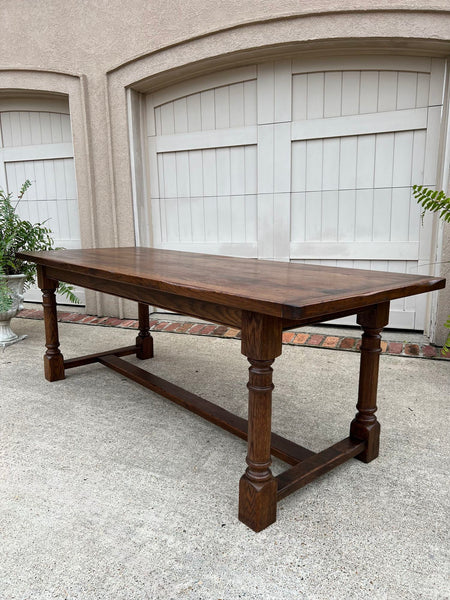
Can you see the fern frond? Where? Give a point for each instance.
(5, 295)
(446, 348)
(433, 201)
(67, 291)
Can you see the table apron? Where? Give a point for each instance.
(201, 309)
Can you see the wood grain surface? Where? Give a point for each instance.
(281, 289)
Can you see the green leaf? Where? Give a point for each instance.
(446, 348)
(433, 201)
(67, 291)
(5, 295)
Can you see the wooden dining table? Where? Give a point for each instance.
(261, 298)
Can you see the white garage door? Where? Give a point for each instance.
(302, 160)
(36, 144)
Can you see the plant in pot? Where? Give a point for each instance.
(17, 235)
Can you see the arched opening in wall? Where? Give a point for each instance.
(36, 144)
(304, 159)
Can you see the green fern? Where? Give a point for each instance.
(5, 294)
(67, 291)
(446, 348)
(433, 201)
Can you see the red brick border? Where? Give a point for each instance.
(314, 340)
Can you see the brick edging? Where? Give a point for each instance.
(312, 340)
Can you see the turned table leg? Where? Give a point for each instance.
(144, 341)
(365, 426)
(53, 359)
(261, 343)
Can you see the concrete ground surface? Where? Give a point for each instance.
(108, 491)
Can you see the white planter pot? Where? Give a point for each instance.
(7, 336)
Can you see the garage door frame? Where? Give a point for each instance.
(273, 132)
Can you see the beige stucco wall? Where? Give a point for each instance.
(106, 46)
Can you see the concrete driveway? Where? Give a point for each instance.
(108, 491)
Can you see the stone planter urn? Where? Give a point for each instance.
(7, 336)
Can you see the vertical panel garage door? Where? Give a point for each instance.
(36, 144)
(203, 164)
(302, 160)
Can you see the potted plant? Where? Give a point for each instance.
(16, 275)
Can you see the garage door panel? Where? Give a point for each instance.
(414, 118)
(298, 215)
(236, 105)
(207, 100)
(313, 216)
(381, 224)
(22, 128)
(299, 97)
(223, 171)
(209, 171)
(220, 108)
(402, 159)
(36, 144)
(304, 159)
(365, 251)
(237, 170)
(407, 90)
(207, 195)
(51, 197)
(436, 95)
(384, 152)
(431, 157)
(165, 117)
(185, 217)
(363, 212)
(273, 92)
(330, 159)
(381, 215)
(346, 215)
(368, 91)
(418, 157)
(229, 218)
(343, 93)
(198, 140)
(350, 93)
(298, 170)
(315, 95)
(348, 163)
(332, 94)
(194, 112)
(330, 216)
(405, 313)
(180, 117)
(313, 168)
(387, 95)
(70, 180)
(401, 205)
(183, 174)
(39, 188)
(355, 162)
(358, 62)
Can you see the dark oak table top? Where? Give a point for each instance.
(279, 289)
